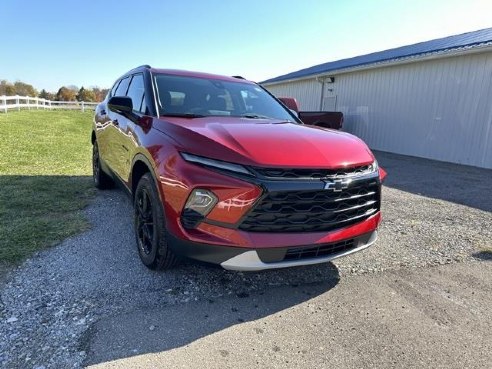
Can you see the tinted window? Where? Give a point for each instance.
(123, 86)
(113, 90)
(136, 92)
(180, 95)
(143, 108)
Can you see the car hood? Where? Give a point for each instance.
(269, 143)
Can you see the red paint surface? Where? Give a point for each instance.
(266, 143)
(254, 142)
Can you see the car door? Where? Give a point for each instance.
(130, 131)
(117, 123)
(103, 122)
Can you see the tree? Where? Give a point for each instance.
(100, 93)
(86, 95)
(25, 89)
(10, 90)
(18, 88)
(46, 95)
(3, 87)
(6, 88)
(65, 94)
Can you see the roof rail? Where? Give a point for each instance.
(133, 70)
(238, 77)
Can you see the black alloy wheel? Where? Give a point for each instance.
(150, 226)
(144, 222)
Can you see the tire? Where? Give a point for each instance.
(150, 227)
(101, 179)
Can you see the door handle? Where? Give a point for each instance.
(103, 112)
(115, 121)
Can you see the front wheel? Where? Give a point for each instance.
(150, 227)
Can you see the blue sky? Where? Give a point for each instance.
(53, 43)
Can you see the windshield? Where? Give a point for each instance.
(201, 97)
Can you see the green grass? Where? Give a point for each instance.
(45, 179)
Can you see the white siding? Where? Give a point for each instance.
(439, 109)
(307, 93)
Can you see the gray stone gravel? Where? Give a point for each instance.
(49, 303)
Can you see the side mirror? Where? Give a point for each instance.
(120, 104)
(290, 102)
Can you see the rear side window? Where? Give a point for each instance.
(122, 87)
(136, 92)
(113, 90)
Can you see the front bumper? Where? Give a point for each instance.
(228, 235)
(247, 259)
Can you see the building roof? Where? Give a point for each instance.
(465, 40)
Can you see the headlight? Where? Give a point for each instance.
(215, 163)
(374, 167)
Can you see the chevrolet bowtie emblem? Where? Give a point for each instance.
(337, 185)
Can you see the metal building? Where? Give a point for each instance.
(432, 99)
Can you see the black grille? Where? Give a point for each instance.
(314, 211)
(191, 218)
(319, 251)
(310, 173)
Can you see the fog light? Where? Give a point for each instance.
(198, 205)
(201, 201)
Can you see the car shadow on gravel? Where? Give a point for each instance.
(485, 255)
(91, 294)
(159, 329)
(456, 183)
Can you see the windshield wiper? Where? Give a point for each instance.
(258, 116)
(183, 115)
(254, 116)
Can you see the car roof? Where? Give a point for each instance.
(186, 73)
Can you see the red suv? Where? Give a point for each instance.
(221, 171)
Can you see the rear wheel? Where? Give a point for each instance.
(101, 179)
(150, 227)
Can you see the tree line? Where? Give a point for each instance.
(64, 93)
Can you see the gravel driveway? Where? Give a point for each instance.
(434, 214)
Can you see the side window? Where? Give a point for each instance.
(136, 92)
(113, 90)
(144, 108)
(122, 87)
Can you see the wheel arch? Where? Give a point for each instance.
(140, 166)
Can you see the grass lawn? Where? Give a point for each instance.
(45, 179)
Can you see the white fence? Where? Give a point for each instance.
(26, 102)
